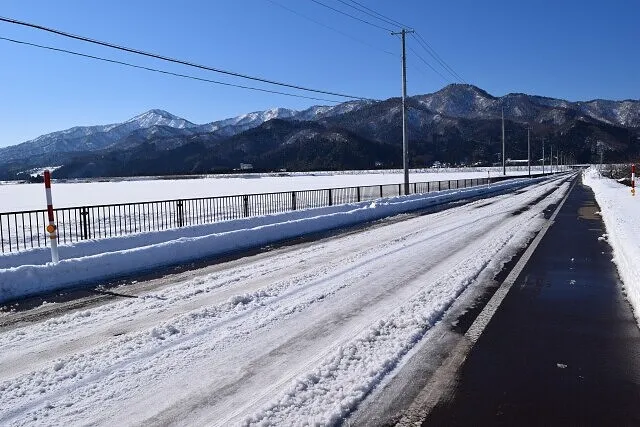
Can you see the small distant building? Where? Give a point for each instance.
(246, 166)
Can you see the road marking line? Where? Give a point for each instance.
(442, 380)
(481, 322)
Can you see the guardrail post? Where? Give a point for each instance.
(439, 185)
(380, 190)
(180, 212)
(245, 205)
(293, 201)
(399, 189)
(358, 193)
(330, 197)
(84, 223)
(51, 228)
(428, 189)
(415, 186)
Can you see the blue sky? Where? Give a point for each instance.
(576, 50)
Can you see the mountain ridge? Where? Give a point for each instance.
(458, 123)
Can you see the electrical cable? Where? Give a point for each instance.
(113, 61)
(351, 16)
(174, 60)
(429, 65)
(361, 10)
(399, 24)
(432, 52)
(331, 28)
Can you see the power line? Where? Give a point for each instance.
(390, 21)
(399, 24)
(331, 28)
(351, 16)
(432, 52)
(113, 61)
(375, 16)
(437, 57)
(174, 60)
(429, 65)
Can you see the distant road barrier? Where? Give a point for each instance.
(23, 230)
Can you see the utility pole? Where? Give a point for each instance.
(504, 165)
(542, 156)
(529, 150)
(405, 144)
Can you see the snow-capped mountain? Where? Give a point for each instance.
(625, 113)
(235, 125)
(468, 101)
(91, 138)
(453, 122)
(322, 111)
(157, 123)
(158, 118)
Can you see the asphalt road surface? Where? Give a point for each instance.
(306, 333)
(564, 347)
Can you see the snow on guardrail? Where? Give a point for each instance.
(89, 261)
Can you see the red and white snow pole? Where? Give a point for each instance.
(633, 180)
(51, 228)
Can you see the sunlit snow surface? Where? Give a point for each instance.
(18, 197)
(27, 272)
(621, 214)
(298, 336)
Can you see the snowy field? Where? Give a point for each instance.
(27, 272)
(296, 336)
(621, 214)
(22, 231)
(20, 197)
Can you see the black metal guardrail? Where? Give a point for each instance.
(23, 230)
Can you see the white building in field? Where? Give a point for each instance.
(246, 166)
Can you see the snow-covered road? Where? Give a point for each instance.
(298, 334)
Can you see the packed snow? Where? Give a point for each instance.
(296, 336)
(621, 214)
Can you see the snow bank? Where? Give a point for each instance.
(91, 261)
(621, 214)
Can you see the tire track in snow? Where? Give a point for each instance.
(167, 333)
